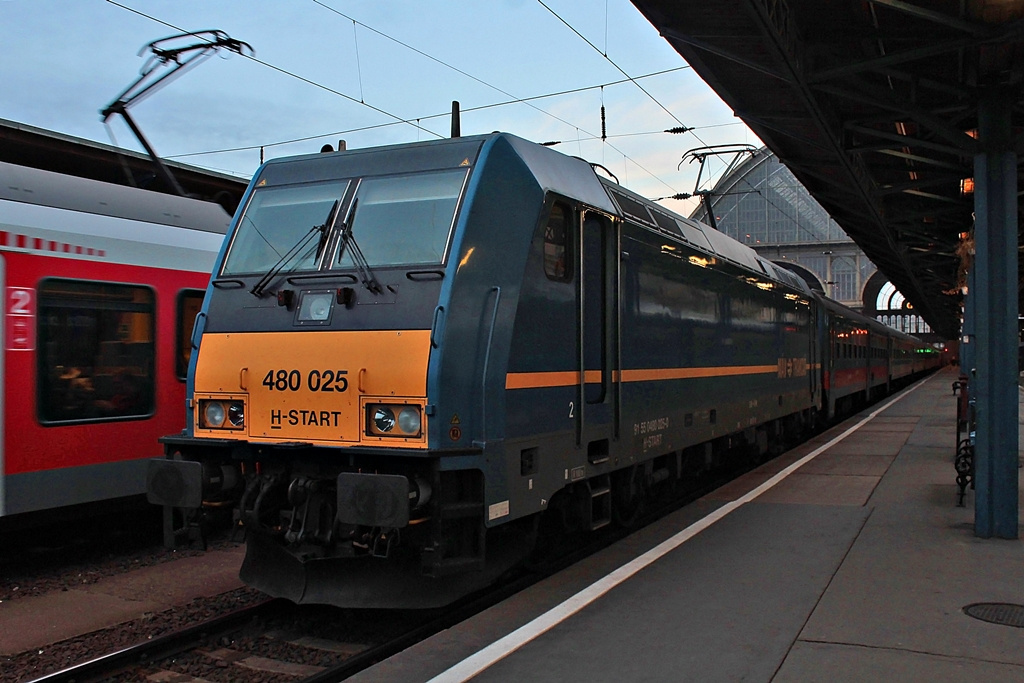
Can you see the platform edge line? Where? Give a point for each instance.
(503, 647)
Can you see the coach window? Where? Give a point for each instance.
(189, 303)
(95, 351)
(557, 234)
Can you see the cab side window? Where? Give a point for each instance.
(557, 244)
(189, 303)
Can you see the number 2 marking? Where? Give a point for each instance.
(572, 410)
(21, 302)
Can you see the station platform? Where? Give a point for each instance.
(846, 559)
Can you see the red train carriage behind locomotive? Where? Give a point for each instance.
(101, 286)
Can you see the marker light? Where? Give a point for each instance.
(409, 420)
(214, 414)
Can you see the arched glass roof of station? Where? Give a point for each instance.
(889, 298)
(759, 201)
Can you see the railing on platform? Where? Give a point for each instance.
(964, 460)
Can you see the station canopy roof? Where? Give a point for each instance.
(874, 107)
(43, 149)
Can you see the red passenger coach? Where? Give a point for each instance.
(864, 359)
(101, 286)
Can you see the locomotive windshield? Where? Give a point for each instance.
(404, 219)
(395, 220)
(276, 220)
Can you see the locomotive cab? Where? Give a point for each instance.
(325, 402)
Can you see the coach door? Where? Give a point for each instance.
(598, 295)
(13, 309)
(813, 360)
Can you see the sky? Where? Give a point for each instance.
(370, 72)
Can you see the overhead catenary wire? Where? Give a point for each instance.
(504, 92)
(398, 119)
(359, 68)
(612, 62)
(605, 28)
(682, 126)
(412, 121)
(438, 61)
(446, 114)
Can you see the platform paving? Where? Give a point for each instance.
(855, 567)
(37, 621)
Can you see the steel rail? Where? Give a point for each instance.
(159, 648)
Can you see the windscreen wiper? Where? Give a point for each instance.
(369, 281)
(323, 230)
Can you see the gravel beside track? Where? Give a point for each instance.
(33, 664)
(60, 557)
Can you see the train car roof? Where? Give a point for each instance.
(382, 160)
(700, 236)
(566, 175)
(45, 188)
(554, 172)
(847, 312)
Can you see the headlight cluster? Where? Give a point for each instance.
(215, 414)
(393, 420)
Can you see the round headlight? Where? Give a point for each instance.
(320, 308)
(384, 419)
(316, 307)
(409, 420)
(214, 414)
(236, 414)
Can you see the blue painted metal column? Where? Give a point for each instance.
(969, 338)
(995, 316)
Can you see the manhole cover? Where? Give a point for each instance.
(1002, 613)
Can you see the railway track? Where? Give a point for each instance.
(142, 655)
(279, 641)
(276, 640)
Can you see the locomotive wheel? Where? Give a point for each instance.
(562, 518)
(628, 492)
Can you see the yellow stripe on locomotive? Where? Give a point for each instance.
(320, 388)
